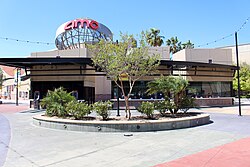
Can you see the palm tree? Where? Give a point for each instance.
(174, 44)
(188, 45)
(153, 38)
(133, 42)
(173, 89)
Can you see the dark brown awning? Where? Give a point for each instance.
(28, 63)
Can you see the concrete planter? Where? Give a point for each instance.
(121, 126)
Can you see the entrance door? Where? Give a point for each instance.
(89, 94)
(84, 93)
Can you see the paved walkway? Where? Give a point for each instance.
(235, 154)
(224, 141)
(4, 138)
(5, 132)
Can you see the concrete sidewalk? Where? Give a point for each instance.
(34, 146)
(235, 154)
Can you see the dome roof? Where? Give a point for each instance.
(75, 33)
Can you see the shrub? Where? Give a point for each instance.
(102, 109)
(56, 101)
(55, 109)
(161, 106)
(186, 103)
(146, 108)
(78, 110)
(173, 89)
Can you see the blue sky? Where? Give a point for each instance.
(200, 21)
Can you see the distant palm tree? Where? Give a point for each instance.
(188, 45)
(153, 38)
(174, 44)
(133, 42)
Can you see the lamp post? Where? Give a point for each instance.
(118, 102)
(238, 71)
(17, 80)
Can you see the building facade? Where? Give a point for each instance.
(10, 83)
(202, 84)
(209, 71)
(243, 52)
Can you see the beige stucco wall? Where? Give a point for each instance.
(102, 88)
(218, 56)
(180, 56)
(83, 52)
(162, 51)
(243, 51)
(73, 53)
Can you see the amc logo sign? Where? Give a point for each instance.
(82, 22)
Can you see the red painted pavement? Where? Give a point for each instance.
(235, 154)
(12, 108)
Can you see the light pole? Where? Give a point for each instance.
(118, 102)
(238, 71)
(17, 80)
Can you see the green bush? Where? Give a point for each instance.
(174, 90)
(187, 103)
(78, 110)
(102, 109)
(161, 106)
(55, 102)
(146, 108)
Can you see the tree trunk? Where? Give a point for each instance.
(128, 113)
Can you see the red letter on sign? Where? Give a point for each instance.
(69, 25)
(94, 25)
(82, 23)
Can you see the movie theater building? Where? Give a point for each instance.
(209, 71)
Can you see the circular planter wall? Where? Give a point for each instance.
(121, 126)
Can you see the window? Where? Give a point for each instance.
(138, 92)
(210, 89)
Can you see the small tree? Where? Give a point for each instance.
(244, 78)
(146, 108)
(102, 109)
(123, 60)
(174, 91)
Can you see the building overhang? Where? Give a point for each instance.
(182, 64)
(29, 63)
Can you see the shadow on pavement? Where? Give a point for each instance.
(32, 111)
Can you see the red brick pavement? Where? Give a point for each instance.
(235, 154)
(12, 108)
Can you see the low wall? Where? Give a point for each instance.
(220, 101)
(200, 102)
(121, 126)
